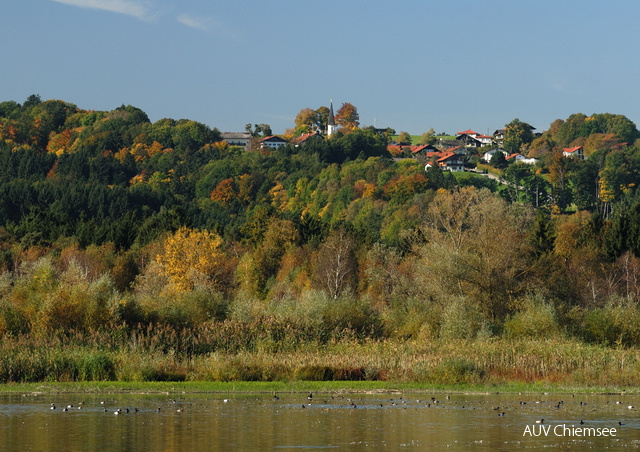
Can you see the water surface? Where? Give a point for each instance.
(204, 422)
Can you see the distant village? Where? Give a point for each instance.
(450, 153)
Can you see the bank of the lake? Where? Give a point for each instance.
(303, 387)
(371, 364)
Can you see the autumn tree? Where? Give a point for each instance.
(404, 138)
(190, 258)
(347, 116)
(475, 248)
(429, 137)
(306, 120)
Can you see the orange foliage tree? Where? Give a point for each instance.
(190, 258)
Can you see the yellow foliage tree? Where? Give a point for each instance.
(190, 258)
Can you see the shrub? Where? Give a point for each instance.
(461, 320)
(537, 320)
(617, 323)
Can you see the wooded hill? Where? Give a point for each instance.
(113, 223)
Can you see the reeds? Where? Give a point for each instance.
(163, 354)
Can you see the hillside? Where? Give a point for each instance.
(119, 228)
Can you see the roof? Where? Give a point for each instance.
(571, 150)
(446, 156)
(468, 132)
(331, 121)
(422, 147)
(274, 138)
(305, 136)
(236, 135)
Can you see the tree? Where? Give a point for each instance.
(322, 115)
(347, 116)
(559, 180)
(335, 268)
(429, 137)
(475, 248)
(516, 134)
(306, 120)
(498, 160)
(404, 138)
(259, 130)
(189, 259)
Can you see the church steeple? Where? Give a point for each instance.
(331, 123)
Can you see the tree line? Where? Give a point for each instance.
(110, 221)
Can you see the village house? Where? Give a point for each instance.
(576, 151)
(242, 139)
(272, 142)
(489, 154)
(448, 161)
(306, 138)
(519, 158)
(468, 139)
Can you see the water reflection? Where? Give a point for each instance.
(199, 422)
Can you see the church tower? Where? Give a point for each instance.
(331, 123)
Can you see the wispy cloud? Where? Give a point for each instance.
(199, 23)
(206, 23)
(132, 8)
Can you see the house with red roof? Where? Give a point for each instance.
(448, 161)
(485, 140)
(306, 137)
(576, 151)
(469, 132)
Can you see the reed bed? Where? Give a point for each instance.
(165, 354)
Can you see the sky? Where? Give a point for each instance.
(411, 65)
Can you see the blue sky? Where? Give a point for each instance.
(410, 65)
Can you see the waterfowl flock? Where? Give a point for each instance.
(576, 411)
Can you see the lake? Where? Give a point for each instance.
(392, 421)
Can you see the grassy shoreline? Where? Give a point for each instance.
(283, 387)
(487, 366)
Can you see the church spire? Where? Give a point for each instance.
(331, 123)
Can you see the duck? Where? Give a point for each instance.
(620, 423)
(539, 421)
(501, 414)
(581, 422)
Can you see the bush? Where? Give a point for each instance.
(537, 320)
(617, 323)
(461, 320)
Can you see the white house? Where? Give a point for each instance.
(576, 151)
(489, 154)
(237, 139)
(519, 158)
(272, 142)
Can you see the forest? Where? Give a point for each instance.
(132, 250)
